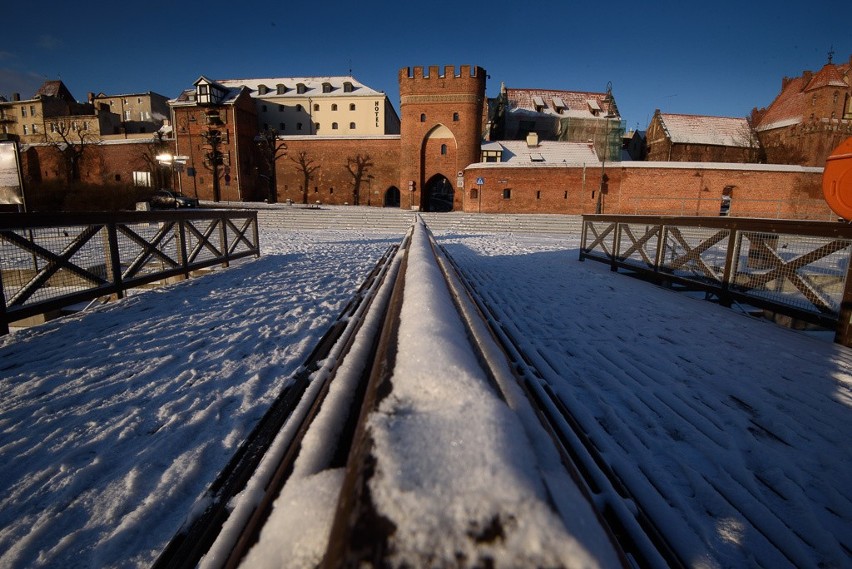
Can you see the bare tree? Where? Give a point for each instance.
(71, 138)
(270, 148)
(358, 166)
(305, 164)
(747, 137)
(153, 148)
(213, 157)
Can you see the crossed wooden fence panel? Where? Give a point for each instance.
(796, 268)
(51, 261)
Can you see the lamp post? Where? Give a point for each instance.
(166, 159)
(609, 115)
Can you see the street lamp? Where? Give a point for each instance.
(166, 159)
(609, 115)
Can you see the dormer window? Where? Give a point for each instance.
(326, 87)
(262, 89)
(280, 89)
(538, 103)
(301, 88)
(559, 105)
(347, 87)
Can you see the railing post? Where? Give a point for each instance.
(616, 246)
(731, 255)
(4, 322)
(843, 332)
(181, 247)
(223, 240)
(114, 258)
(256, 233)
(583, 239)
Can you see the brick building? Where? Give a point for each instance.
(810, 117)
(696, 138)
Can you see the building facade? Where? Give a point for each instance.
(139, 114)
(810, 117)
(321, 106)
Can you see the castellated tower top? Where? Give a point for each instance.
(420, 80)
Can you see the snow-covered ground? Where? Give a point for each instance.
(733, 433)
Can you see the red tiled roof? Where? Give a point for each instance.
(791, 105)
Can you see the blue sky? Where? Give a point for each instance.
(715, 58)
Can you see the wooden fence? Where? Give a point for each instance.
(52, 261)
(795, 268)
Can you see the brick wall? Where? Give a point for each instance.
(786, 192)
(332, 183)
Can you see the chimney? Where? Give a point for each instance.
(16, 96)
(91, 97)
(532, 140)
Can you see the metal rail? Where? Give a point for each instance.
(298, 404)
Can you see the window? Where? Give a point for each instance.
(142, 179)
(300, 88)
(347, 87)
(139, 100)
(299, 108)
(32, 107)
(23, 111)
(443, 150)
(565, 196)
(280, 89)
(263, 108)
(35, 129)
(316, 127)
(298, 126)
(326, 87)
(352, 125)
(507, 194)
(334, 126)
(282, 126)
(538, 194)
(351, 106)
(262, 89)
(333, 107)
(280, 108)
(26, 129)
(316, 107)
(422, 117)
(455, 117)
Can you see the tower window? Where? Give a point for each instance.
(455, 117)
(507, 194)
(443, 150)
(422, 117)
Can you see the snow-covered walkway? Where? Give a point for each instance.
(734, 434)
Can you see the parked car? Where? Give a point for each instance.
(167, 199)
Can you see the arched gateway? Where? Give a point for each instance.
(438, 194)
(391, 197)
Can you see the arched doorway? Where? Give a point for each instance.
(438, 194)
(391, 197)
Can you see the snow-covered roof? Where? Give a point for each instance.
(330, 86)
(699, 129)
(546, 153)
(558, 103)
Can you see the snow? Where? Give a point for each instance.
(732, 433)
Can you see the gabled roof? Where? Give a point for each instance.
(228, 94)
(714, 131)
(792, 104)
(313, 86)
(55, 88)
(558, 103)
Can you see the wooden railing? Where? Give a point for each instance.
(795, 268)
(52, 261)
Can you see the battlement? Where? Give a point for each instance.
(434, 80)
(434, 71)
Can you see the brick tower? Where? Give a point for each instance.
(441, 133)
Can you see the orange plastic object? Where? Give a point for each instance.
(837, 180)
